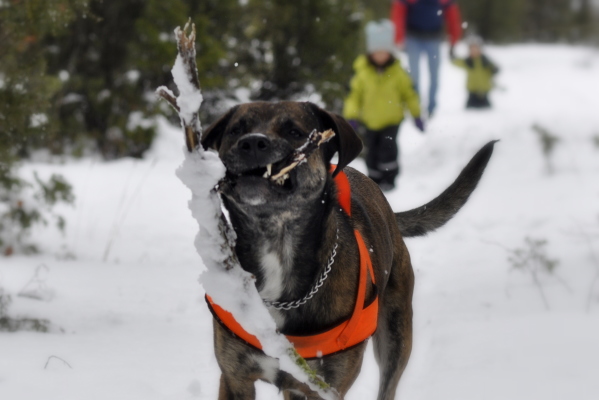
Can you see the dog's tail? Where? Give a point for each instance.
(437, 212)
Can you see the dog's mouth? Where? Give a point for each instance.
(265, 177)
(271, 172)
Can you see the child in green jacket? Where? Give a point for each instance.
(380, 91)
(480, 71)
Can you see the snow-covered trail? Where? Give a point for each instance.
(131, 323)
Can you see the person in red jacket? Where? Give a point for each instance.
(419, 29)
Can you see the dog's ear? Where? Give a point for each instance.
(345, 142)
(212, 136)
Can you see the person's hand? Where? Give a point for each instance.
(354, 124)
(452, 51)
(419, 124)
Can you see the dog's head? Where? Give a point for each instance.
(256, 137)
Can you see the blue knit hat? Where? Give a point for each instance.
(380, 35)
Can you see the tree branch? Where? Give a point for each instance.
(188, 84)
(167, 95)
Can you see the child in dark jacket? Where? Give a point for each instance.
(381, 92)
(480, 72)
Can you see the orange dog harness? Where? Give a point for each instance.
(359, 327)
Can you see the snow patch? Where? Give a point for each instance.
(37, 120)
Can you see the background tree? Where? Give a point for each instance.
(79, 74)
(585, 22)
(548, 20)
(301, 46)
(26, 89)
(114, 57)
(509, 21)
(495, 20)
(27, 116)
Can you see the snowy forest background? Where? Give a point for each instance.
(98, 275)
(94, 65)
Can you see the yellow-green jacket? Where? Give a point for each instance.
(377, 99)
(480, 73)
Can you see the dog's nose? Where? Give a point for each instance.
(255, 144)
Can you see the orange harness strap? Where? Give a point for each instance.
(359, 327)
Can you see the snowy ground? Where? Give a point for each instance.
(128, 314)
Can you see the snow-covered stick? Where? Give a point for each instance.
(185, 74)
(225, 281)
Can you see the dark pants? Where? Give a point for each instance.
(478, 100)
(382, 155)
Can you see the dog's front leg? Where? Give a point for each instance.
(234, 388)
(293, 389)
(238, 365)
(242, 365)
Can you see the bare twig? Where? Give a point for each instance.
(58, 358)
(123, 209)
(596, 263)
(301, 154)
(591, 291)
(186, 46)
(37, 278)
(539, 286)
(535, 260)
(588, 238)
(187, 54)
(548, 143)
(169, 97)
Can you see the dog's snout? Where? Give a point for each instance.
(254, 150)
(254, 143)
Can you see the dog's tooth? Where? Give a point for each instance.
(268, 170)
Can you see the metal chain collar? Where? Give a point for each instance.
(288, 305)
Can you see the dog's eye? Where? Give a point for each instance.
(236, 130)
(296, 133)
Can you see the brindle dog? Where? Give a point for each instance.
(287, 230)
